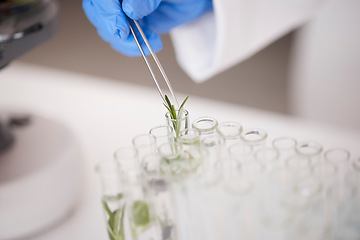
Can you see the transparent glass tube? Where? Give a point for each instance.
(233, 181)
(140, 209)
(340, 158)
(113, 200)
(207, 173)
(172, 161)
(352, 180)
(164, 207)
(326, 172)
(304, 190)
(275, 216)
(254, 136)
(254, 171)
(241, 151)
(310, 149)
(151, 165)
(129, 212)
(189, 138)
(269, 157)
(160, 191)
(213, 145)
(341, 197)
(127, 158)
(230, 132)
(163, 134)
(109, 175)
(299, 165)
(205, 125)
(180, 123)
(144, 144)
(356, 164)
(285, 146)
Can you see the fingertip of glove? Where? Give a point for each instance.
(122, 34)
(128, 10)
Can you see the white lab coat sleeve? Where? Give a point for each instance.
(234, 31)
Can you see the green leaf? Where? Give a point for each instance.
(110, 227)
(183, 103)
(173, 111)
(115, 223)
(167, 107)
(122, 231)
(140, 213)
(107, 209)
(167, 101)
(175, 117)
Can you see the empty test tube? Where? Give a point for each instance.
(144, 144)
(205, 125)
(163, 134)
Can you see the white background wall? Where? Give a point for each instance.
(326, 69)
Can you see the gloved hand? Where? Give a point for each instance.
(154, 16)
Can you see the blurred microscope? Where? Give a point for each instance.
(40, 168)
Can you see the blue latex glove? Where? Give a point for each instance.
(154, 16)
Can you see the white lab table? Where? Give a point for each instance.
(105, 114)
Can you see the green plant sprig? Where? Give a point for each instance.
(176, 117)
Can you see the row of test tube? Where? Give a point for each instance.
(216, 180)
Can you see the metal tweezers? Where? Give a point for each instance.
(155, 59)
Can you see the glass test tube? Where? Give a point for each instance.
(144, 144)
(127, 158)
(230, 132)
(205, 125)
(269, 157)
(310, 149)
(180, 123)
(285, 146)
(255, 137)
(299, 165)
(241, 152)
(113, 200)
(163, 134)
(172, 161)
(341, 159)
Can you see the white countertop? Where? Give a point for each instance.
(106, 114)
